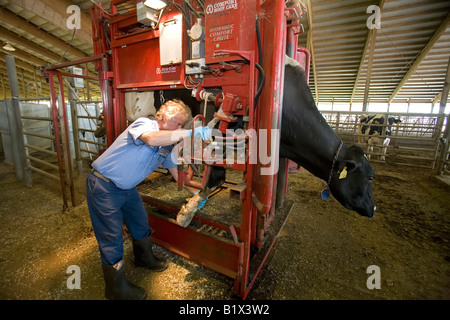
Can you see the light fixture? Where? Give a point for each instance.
(8, 47)
(155, 4)
(149, 12)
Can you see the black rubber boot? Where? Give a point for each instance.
(143, 255)
(117, 285)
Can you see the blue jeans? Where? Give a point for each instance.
(109, 208)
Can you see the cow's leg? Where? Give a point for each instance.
(188, 211)
(369, 148)
(384, 148)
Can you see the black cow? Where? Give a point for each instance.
(373, 132)
(308, 140)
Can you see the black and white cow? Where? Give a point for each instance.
(309, 141)
(373, 132)
(146, 103)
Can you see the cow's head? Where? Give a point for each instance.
(351, 183)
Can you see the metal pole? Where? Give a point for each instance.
(65, 140)
(282, 175)
(58, 140)
(73, 108)
(23, 173)
(446, 137)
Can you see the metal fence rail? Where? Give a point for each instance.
(415, 141)
(88, 123)
(39, 138)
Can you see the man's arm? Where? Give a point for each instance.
(163, 137)
(168, 137)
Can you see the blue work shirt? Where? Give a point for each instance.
(128, 161)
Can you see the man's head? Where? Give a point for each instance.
(174, 114)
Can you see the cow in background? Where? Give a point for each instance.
(146, 103)
(373, 132)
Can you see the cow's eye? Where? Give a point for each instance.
(370, 178)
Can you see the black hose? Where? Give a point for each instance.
(262, 80)
(262, 77)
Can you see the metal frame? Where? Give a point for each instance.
(243, 257)
(60, 123)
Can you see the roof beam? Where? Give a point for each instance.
(18, 40)
(373, 36)
(363, 55)
(24, 56)
(422, 55)
(18, 23)
(55, 13)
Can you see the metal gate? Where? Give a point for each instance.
(415, 141)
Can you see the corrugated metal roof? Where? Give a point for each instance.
(411, 50)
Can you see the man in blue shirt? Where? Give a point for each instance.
(112, 196)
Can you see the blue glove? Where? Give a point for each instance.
(201, 204)
(201, 132)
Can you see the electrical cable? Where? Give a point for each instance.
(262, 76)
(68, 45)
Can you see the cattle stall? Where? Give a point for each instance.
(228, 55)
(414, 141)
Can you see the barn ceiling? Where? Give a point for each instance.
(410, 55)
(411, 50)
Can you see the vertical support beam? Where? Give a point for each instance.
(35, 83)
(366, 44)
(442, 105)
(373, 36)
(23, 173)
(65, 140)
(24, 86)
(3, 86)
(282, 176)
(76, 137)
(269, 117)
(88, 90)
(112, 117)
(57, 139)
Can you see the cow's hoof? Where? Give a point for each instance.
(184, 217)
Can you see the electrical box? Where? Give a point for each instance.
(75, 81)
(197, 35)
(195, 66)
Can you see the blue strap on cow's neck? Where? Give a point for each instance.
(325, 193)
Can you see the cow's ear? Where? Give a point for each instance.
(351, 165)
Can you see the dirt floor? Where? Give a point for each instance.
(323, 252)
